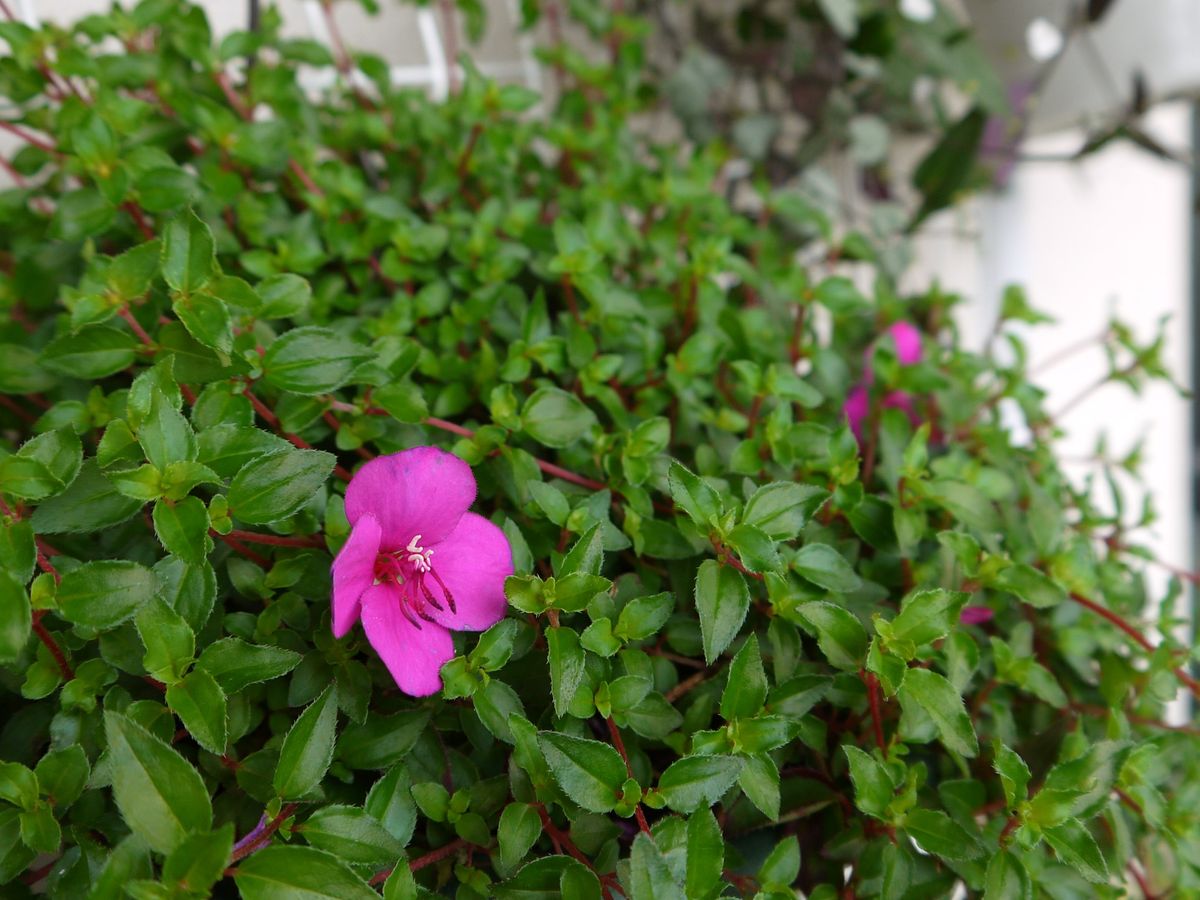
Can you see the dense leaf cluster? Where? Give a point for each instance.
(736, 660)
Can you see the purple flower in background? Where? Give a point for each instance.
(417, 564)
(907, 341)
(975, 615)
(1002, 135)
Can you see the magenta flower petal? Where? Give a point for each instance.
(472, 564)
(858, 404)
(354, 572)
(907, 339)
(413, 655)
(422, 491)
(976, 615)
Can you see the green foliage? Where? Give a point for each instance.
(738, 656)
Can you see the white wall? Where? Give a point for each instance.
(1107, 235)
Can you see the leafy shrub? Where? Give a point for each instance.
(744, 652)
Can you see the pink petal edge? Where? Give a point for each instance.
(354, 572)
(473, 562)
(424, 491)
(413, 656)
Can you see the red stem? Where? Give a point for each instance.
(1140, 639)
(871, 680)
(422, 861)
(277, 540)
(235, 544)
(47, 639)
(135, 325)
(28, 138)
(620, 745)
(265, 834)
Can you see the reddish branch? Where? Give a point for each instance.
(60, 658)
(273, 420)
(234, 544)
(620, 745)
(871, 680)
(1138, 638)
(421, 862)
(31, 139)
(135, 325)
(277, 540)
(262, 833)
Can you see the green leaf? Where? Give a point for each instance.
(746, 687)
(18, 785)
(759, 781)
(283, 296)
(182, 528)
(390, 801)
(63, 774)
(940, 835)
(925, 616)
(18, 554)
(308, 748)
(312, 360)
(495, 703)
(161, 797)
(1007, 879)
(235, 664)
(756, 550)
(825, 567)
(351, 835)
(587, 556)
(519, 828)
(200, 859)
(1014, 775)
(105, 593)
(705, 854)
(188, 254)
(693, 495)
(945, 169)
(90, 353)
(873, 788)
(207, 319)
(1074, 845)
(16, 618)
(589, 772)
(381, 741)
(840, 635)
(649, 875)
(40, 830)
(168, 639)
(566, 666)
(283, 872)
(200, 704)
(695, 781)
(722, 601)
(936, 696)
(1030, 586)
(555, 418)
(275, 486)
(89, 504)
(643, 617)
(781, 509)
(43, 466)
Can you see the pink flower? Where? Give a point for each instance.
(907, 341)
(417, 565)
(975, 615)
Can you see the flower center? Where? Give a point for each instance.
(408, 569)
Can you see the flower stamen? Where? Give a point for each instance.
(445, 590)
(418, 557)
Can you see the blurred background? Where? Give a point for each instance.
(1091, 205)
